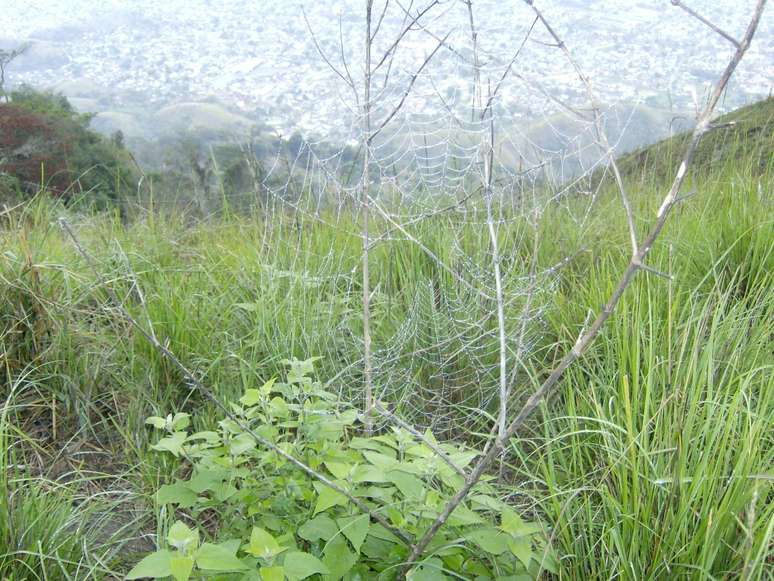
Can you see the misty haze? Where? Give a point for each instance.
(386, 290)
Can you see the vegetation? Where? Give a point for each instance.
(45, 144)
(267, 508)
(654, 460)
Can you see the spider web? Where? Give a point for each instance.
(436, 349)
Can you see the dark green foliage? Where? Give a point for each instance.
(45, 143)
(273, 521)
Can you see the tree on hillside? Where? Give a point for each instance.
(6, 57)
(46, 144)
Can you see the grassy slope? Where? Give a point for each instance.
(653, 462)
(743, 148)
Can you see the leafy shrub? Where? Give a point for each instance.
(269, 520)
(45, 143)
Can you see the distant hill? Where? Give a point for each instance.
(571, 143)
(745, 140)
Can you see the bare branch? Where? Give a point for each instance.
(598, 124)
(427, 251)
(588, 337)
(507, 70)
(379, 22)
(6, 57)
(324, 57)
(706, 22)
(406, 93)
(344, 57)
(414, 20)
(368, 402)
(196, 384)
(420, 436)
(424, 216)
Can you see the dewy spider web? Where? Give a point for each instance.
(435, 351)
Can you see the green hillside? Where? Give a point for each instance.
(744, 142)
(652, 462)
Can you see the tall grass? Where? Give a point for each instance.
(657, 462)
(653, 462)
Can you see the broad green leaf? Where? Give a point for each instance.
(430, 570)
(301, 367)
(377, 549)
(462, 459)
(489, 539)
(223, 491)
(450, 478)
(173, 443)
(299, 565)
(419, 451)
(272, 573)
(183, 538)
(232, 546)
(181, 567)
(487, 502)
(338, 558)
(263, 544)
(250, 398)
(521, 547)
(156, 422)
(206, 479)
(396, 516)
(381, 460)
(218, 558)
(548, 561)
(463, 516)
(156, 566)
(268, 387)
(512, 523)
(327, 497)
(355, 528)
(339, 469)
(387, 439)
(380, 532)
(384, 494)
(177, 493)
(320, 527)
(475, 570)
(348, 417)
(430, 436)
(241, 444)
(230, 426)
(369, 473)
(207, 436)
(279, 408)
(454, 562)
(358, 443)
(410, 486)
(180, 422)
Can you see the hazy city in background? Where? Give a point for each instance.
(386, 290)
(150, 68)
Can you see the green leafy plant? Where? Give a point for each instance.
(269, 520)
